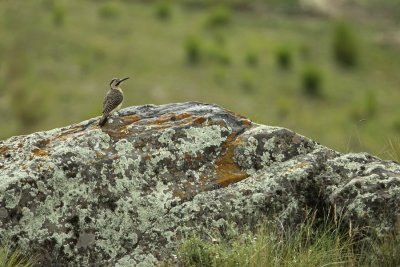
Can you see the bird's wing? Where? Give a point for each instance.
(112, 100)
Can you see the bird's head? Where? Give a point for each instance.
(115, 82)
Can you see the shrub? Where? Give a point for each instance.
(108, 11)
(58, 15)
(345, 49)
(163, 10)
(192, 50)
(219, 16)
(311, 79)
(284, 58)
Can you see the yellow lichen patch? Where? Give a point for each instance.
(3, 150)
(302, 165)
(40, 152)
(179, 194)
(228, 171)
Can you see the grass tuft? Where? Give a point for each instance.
(307, 245)
(14, 258)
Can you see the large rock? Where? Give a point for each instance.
(129, 192)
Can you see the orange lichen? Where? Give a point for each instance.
(130, 119)
(182, 116)
(235, 114)
(163, 118)
(200, 120)
(40, 152)
(228, 171)
(246, 122)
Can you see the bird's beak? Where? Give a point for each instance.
(124, 79)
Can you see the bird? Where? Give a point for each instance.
(113, 100)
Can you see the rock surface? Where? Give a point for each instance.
(127, 193)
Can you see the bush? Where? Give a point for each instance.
(58, 15)
(345, 49)
(311, 79)
(284, 58)
(219, 16)
(163, 10)
(108, 11)
(193, 50)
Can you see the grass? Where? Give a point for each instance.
(55, 57)
(14, 258)
(308, 245)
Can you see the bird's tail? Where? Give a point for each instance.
(103, 120)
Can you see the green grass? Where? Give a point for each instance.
(14, 258)
(56, 61)
(308, 245)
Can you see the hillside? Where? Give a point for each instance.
(57, 57)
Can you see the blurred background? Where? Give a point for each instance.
(326, 69)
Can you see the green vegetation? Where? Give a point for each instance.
(308, 245)
(284, 58)
(163, 10)
(193, 49)
(311, 80)
(345, 46)
(14, 258)
(219, 16)
(57, 55)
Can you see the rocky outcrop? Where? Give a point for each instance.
(127, 193)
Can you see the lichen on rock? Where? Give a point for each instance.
(126, 194)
